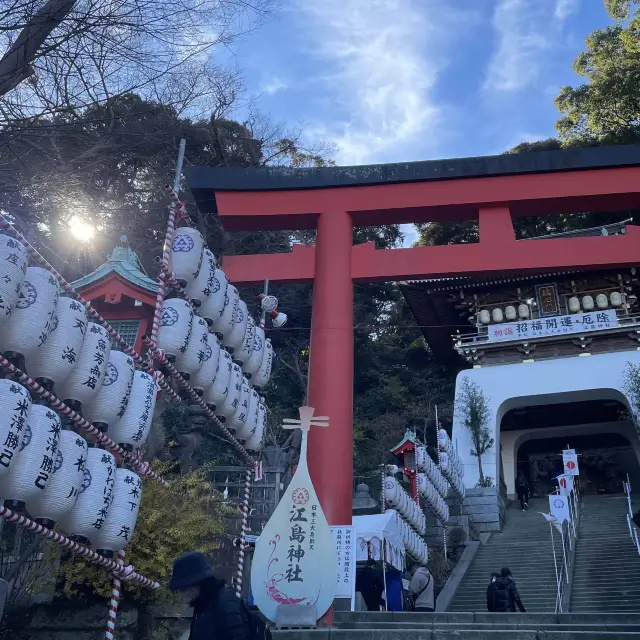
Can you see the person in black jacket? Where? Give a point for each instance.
(218, 614)
(522, 489)
(506, 596)
(370, 585)
(491, 592)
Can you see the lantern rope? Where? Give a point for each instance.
(126, 573)
(115, 599)
(55, 403)
(243, 531)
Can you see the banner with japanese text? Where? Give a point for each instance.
(346, 554)
(555, 326)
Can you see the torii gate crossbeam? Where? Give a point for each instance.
(491, 190)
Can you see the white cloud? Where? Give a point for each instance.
(380, 74)
(528, 32)
(273, 85)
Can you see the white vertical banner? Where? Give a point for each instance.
(565, 482)
(345, 538)
(559, 507)
(570, 460)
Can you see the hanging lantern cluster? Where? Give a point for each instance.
(432, 485)
(428, 466)
(450, 463)
(402, 502)
(414, 544)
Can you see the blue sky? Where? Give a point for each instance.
(402, 80)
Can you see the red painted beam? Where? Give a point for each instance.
(543, 194)
(296, 267)
(494, 256)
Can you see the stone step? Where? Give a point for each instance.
(453, 634)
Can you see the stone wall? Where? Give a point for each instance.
(485, 506)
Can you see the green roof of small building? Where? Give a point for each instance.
(123, 261)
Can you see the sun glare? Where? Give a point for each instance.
(81, 229)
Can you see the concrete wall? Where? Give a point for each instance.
(513, 386)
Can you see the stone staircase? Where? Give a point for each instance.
(607, 565)
(525, 547)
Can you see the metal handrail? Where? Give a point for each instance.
(568, 536)
(633, 531)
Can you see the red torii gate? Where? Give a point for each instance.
(334, 200)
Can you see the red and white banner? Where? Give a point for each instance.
(565, 482)
(570, 460)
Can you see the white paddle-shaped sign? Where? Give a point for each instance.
(295, 560)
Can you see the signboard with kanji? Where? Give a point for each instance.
(570, 460)
(556, 326)
(346, 556)
(295, 561)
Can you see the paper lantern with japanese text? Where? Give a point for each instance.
(56, 358)
(251, 366)
(90, 511)
(251, 423)
(261, 378)
(236, 335)
(190, 360)
(85, 379)
(229, 314)
(186, 253)
(63, 488)
(111, 401)
(204, 377)
(216, 394)
(175, 327)
(36, 457)
(15, 403)
(13, 266)
(243, 352)
(133, 428)
(120, 523)
(231, 402)
(33, 316)
(213, 306)
(255, 441)
(241, 415)
(201, 288)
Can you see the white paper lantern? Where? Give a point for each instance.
(174, 331)
(444, 460)
(33, 315)
(229, 314)
(232, 399)
(255, 441)
(510, 313)
(235, 337)
(13, 266)
(497, 315)
(261, 378)
(190, 360)
(523, 311)
(201, 288)
(213, 306)
(186, 253)
(244, 351)
(60, 496)
(443, 439)
(133, 428)
(574, 304)
(55, 359)
(602, 301)
(421, 457)
(15, 403)
(484, 316)
(215, 395)
(251, 366)
(587, 303)
(204, 377)
(111, 401)
(251, 424)
(241, 415)
(616, 299)
(90, 511)
(120, 522)
(87, 376)
(35, 460)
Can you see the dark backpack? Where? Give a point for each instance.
(258, 629)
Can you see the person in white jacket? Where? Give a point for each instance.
(422, 589)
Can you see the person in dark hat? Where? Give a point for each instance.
(218, 614)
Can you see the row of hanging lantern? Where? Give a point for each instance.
(428, 466)
(52, 474)
(414, 545)
(450, 463)
(432, 485)
(402, 502)
(213, 341)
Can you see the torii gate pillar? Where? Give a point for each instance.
(331, 366)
